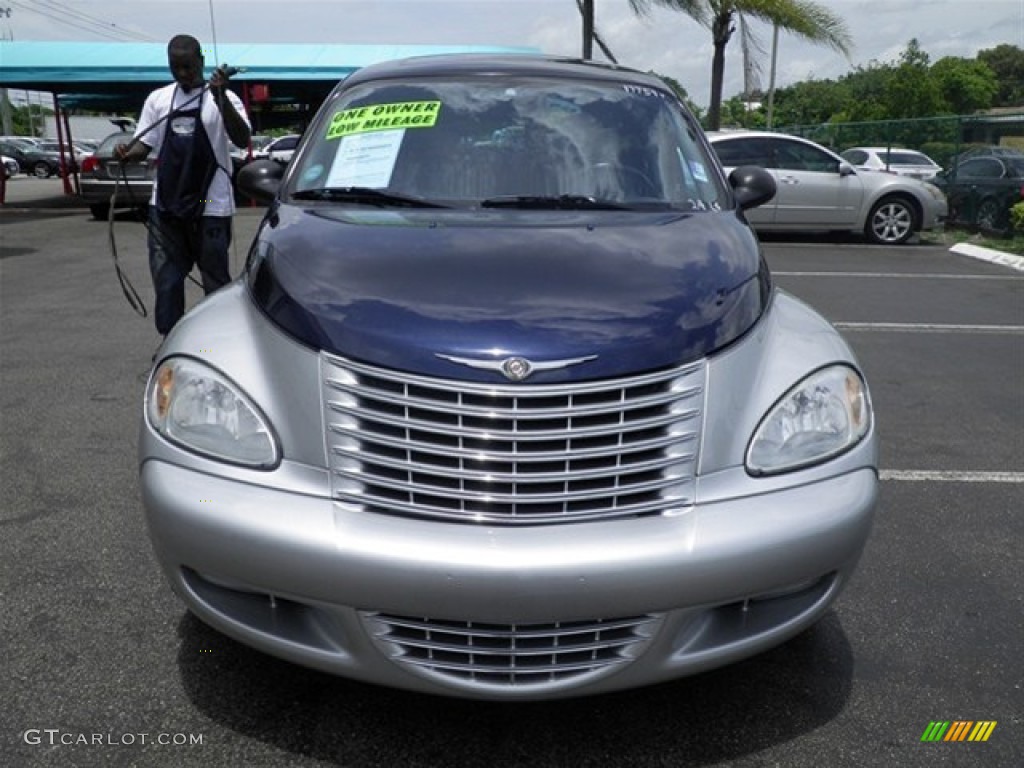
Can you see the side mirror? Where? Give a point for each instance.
(845, 169)
(260, 179)
(752, 186)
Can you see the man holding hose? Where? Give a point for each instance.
(189, 124)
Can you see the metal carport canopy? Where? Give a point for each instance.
(120, 75)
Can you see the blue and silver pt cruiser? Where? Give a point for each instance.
(505, 404)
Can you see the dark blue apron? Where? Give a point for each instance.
(187, 165)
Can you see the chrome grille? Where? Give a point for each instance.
(424, 447)
(511, 654)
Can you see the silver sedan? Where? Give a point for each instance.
(820, 191)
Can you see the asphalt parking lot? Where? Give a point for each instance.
(103, 666)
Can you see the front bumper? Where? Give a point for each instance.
(309, 580)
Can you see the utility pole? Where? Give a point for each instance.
(588, 29)
(6, 119)
(771, 83)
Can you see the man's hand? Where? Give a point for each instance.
(132, 151)
(220, 78)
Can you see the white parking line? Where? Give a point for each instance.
(1011, 260)
(1013, 330)
(918, 475)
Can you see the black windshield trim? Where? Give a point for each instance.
(553, 202)
(365, 195)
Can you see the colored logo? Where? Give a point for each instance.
(958, 730)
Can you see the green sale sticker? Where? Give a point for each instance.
(382, 117)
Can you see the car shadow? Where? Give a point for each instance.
(702, 720)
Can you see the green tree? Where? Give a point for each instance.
(737, 112)
(811, 102)
(966, 85)
(911, 91)
(1007, 62)
(804, 18)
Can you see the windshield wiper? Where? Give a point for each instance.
(553, 202)
(367, 195)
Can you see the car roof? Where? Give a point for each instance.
(498, 64)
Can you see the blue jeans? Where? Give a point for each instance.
(175, 246)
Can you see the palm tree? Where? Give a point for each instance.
(803, 18)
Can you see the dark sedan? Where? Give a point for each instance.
(38, 162)
(982, 189)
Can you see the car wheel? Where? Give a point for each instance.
(41, 170)
(987, 218)
(891, 222)
(100, 211)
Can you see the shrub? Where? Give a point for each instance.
(1017, 217)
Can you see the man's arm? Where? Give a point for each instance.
(235, 125)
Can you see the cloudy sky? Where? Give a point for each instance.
(668, 43)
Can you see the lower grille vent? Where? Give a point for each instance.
(511, 655)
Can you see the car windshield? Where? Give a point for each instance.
(904, 158)
(525, 142)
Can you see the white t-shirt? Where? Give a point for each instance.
(158, 105)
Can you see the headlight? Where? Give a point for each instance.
(196, 407)
(824, 415)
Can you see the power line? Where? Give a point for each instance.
(94, 20)
(81, 21)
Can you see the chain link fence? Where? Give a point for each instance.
(977, 202)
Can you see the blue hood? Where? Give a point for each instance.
(639, 290)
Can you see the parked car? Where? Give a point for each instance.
(982, 189)
(819, 191)
(103, 173)
(506, 404)
(280, 149)
(38, 162)
(10, 165)
(73, 155)
(26, 142)
(993, 150)
(242, 154)
(902, 162)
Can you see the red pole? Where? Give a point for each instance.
(71, 151)
(60, 143)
